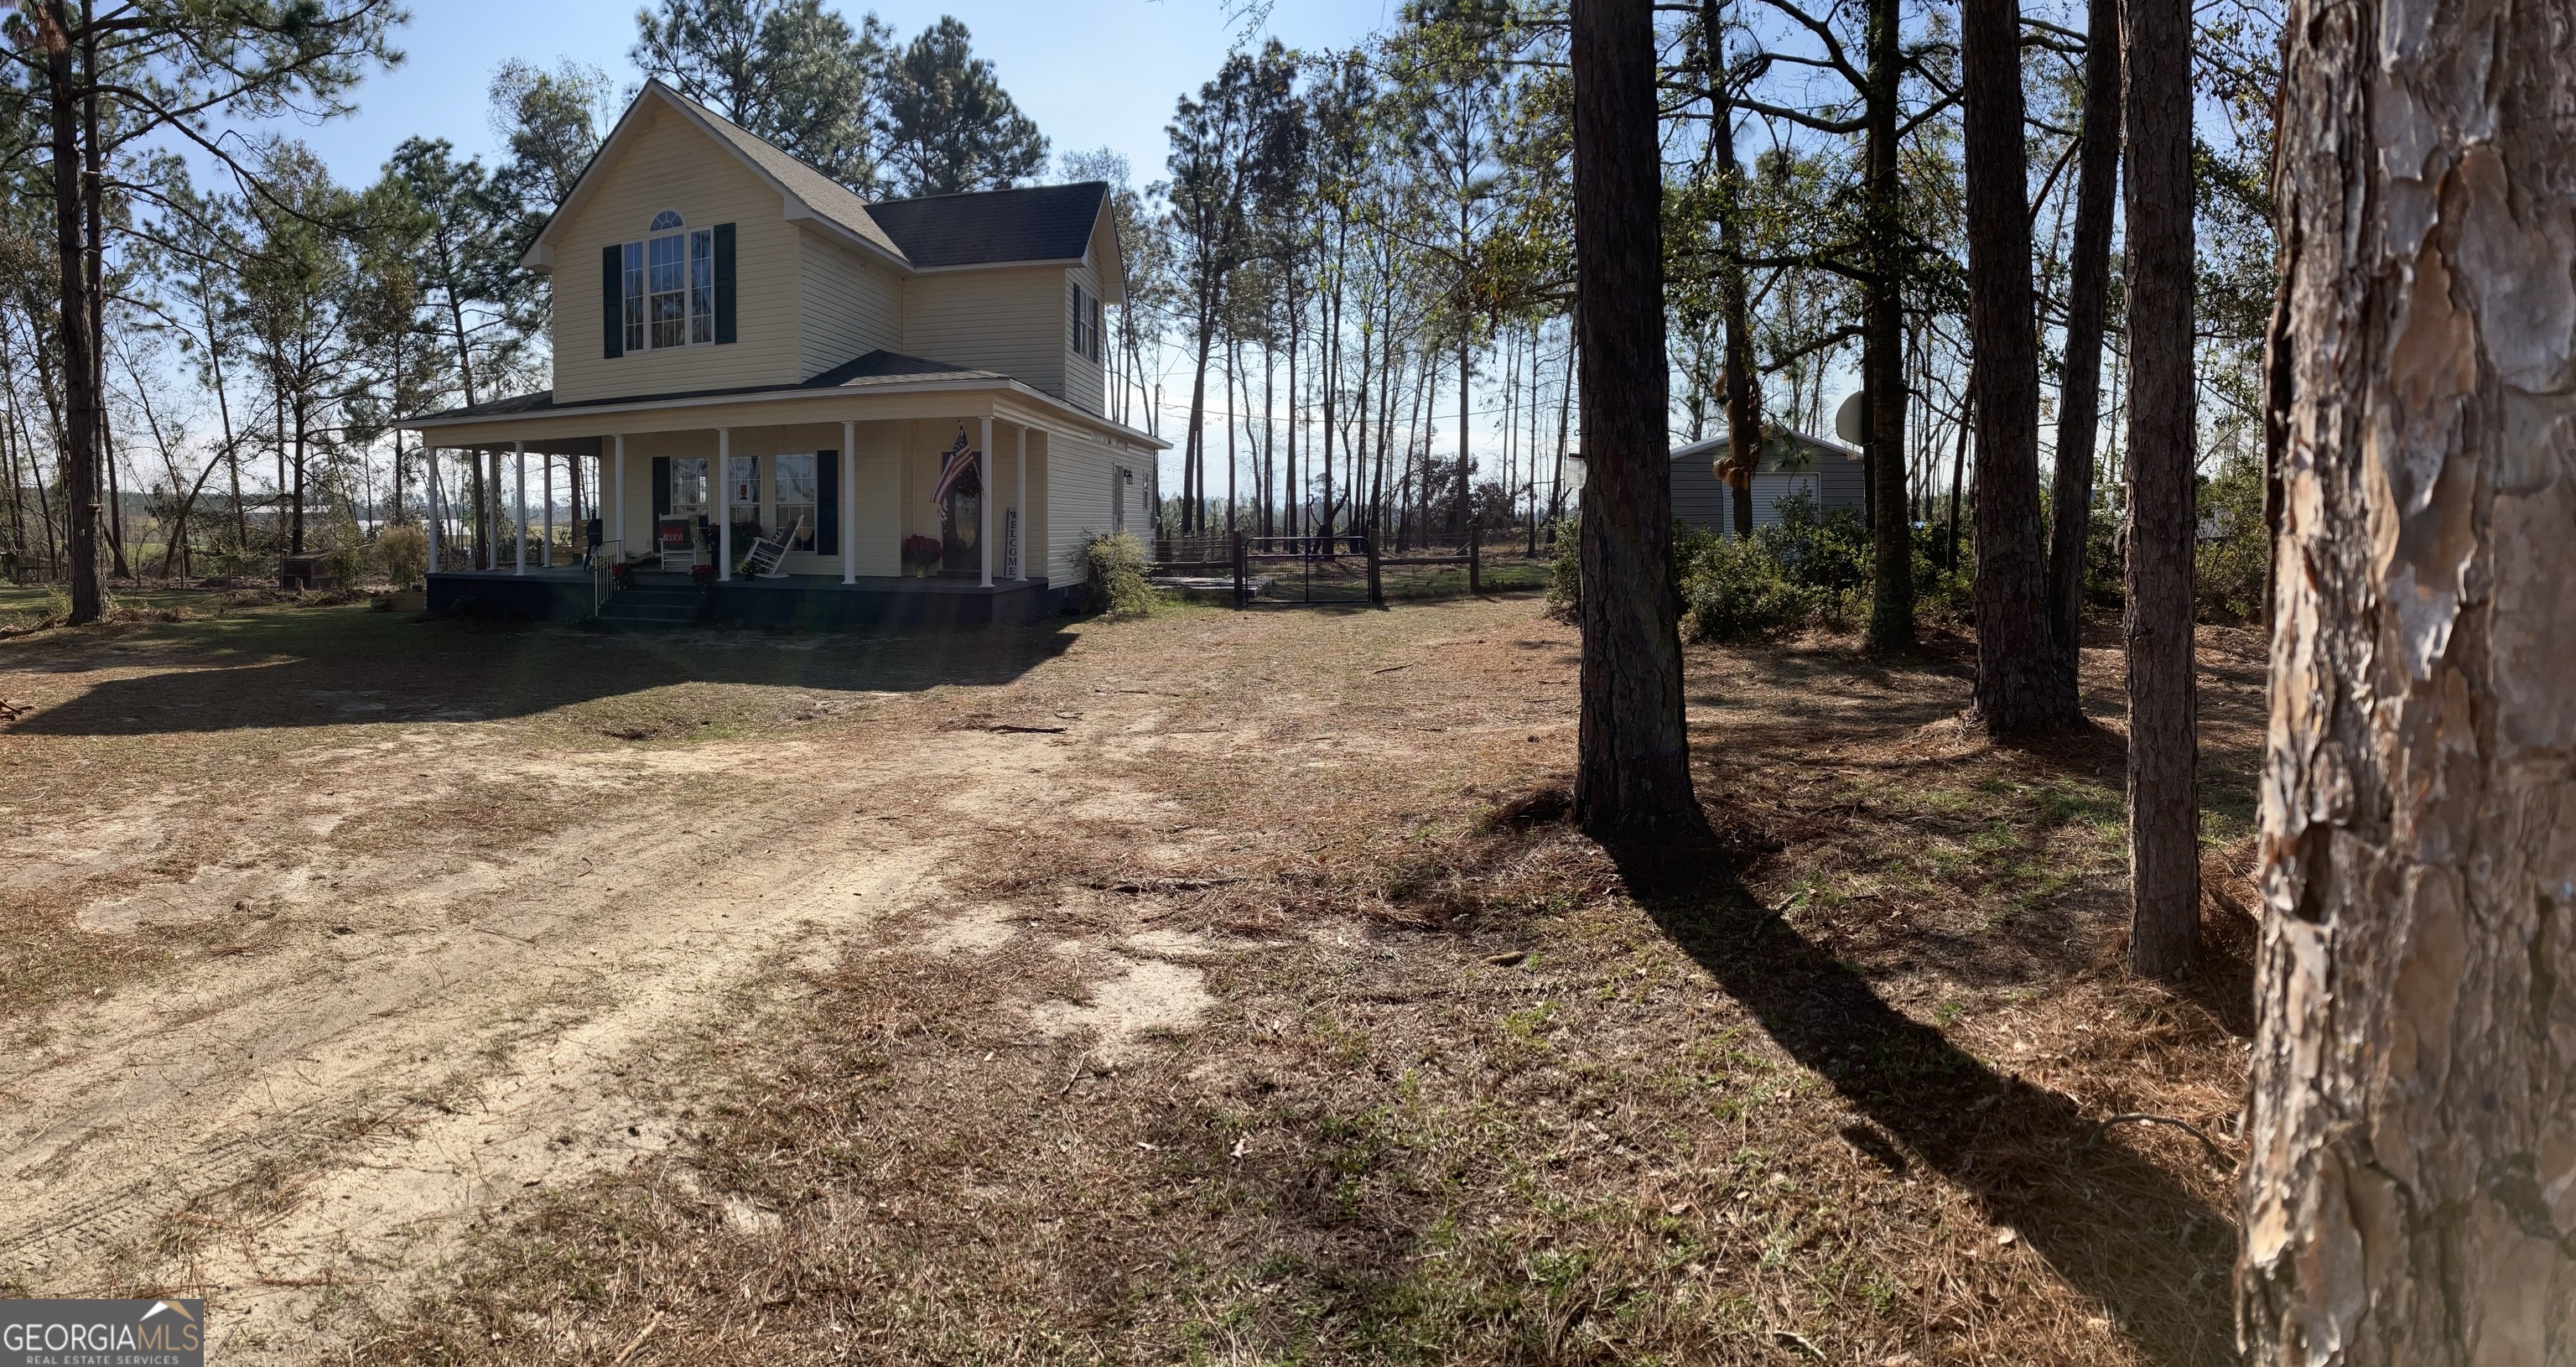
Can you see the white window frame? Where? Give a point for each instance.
(1086, 323)
(682, 468)
(694, 277)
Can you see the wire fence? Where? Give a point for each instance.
(1347, 567)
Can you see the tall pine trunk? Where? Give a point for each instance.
(2088, 288)
(1891, 607)
(1743, 415)
(2406, 1194)
(1632, 773)
(2164, 809)
(2013, 638)
(80, 472)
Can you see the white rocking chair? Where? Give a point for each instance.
(769, 550)
(679, 544)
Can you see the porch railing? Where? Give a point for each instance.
(604, 559)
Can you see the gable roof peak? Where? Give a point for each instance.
(1021, 224)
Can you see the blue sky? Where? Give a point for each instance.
(1095, 73)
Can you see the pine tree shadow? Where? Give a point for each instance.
(2117, 1225)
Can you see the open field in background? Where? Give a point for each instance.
(1210, 986)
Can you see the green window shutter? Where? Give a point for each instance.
(661, 491)
(827, 494)
(724, 284)
(612, 297)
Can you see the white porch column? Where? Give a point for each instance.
(1020, 505)
(724, 504)
(546, 476)
(429, 465)
(849, 503)
(519, 531)
(619, 532)
(984, 506)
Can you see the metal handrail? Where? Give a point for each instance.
(603, 571)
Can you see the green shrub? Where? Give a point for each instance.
(1811, 568)
(1113, 568)
(405, 552)
(2232, 562)
(1733, 589)
(1826, 551)
(1565, 571)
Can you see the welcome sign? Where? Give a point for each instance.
(96, 1333)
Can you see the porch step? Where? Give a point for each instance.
(651, 606)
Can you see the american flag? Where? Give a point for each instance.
(958, 463)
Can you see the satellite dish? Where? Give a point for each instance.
(1850, 420)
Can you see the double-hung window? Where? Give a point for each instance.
(1086, 323)
(670, 282)
(794, 503)
(689, 487)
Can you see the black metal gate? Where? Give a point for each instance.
(1339, 568)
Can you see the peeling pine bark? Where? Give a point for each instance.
(1632, 774)
(2164, 808)
(2411, 1191)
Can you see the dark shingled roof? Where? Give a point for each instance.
(1039, 223)
(876, 367)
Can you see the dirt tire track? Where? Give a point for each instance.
(275, 1129)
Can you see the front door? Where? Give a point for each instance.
(961, 521)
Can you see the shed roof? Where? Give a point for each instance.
(1777, 443)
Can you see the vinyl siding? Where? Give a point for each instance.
(670, 164)
(1083, 385)
(1701, 499)
(1079, 497)
(1008, 320)
(1842, 480)
(850, 307)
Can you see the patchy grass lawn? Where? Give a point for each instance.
(1331, 1042)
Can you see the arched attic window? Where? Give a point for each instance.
(665, 221)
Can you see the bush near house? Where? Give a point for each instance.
(1113, 573)
(1811, 569)
(405, 552)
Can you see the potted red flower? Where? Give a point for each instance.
(921, 555)
(704, 574)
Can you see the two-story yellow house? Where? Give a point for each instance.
(758, 358)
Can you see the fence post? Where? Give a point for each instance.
(1475, 554)
(1239, 567)
(1376, 590)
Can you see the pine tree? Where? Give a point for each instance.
(948, 125)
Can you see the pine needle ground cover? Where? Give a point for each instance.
(1257, 1004)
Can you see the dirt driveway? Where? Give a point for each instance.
(427, 991)
(338, 938)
